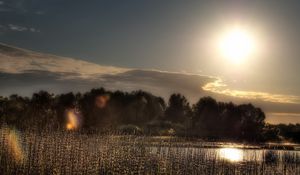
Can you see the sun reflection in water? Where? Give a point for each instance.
(231, 154)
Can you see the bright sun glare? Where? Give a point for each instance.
(237, 45)
(231, 154)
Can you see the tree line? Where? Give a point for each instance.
(140, 112)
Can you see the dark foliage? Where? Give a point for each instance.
(141, 112)
(290, 132)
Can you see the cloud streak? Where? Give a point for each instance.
(19, 28)
(219, 87)
(276, 118)
(16, 60)
(24, 72)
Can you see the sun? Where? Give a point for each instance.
(237, 45)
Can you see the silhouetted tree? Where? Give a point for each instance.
(252, 122)
(270, 133)
(3, 102)
(230, 119)
(178, 109)
(206, 118)
(102, 109)
(14, 110)
(93, 115)
(42, 110)
(290, 132)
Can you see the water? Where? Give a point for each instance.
(75, 153)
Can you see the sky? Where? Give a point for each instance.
(169, 35)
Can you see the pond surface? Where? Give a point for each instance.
(75, 153)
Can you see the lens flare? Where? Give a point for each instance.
(73, 119)
(101, 101)
(231, 154)
(13, 144)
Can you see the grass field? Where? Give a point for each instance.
(76, 153)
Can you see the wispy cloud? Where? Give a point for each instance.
(19, 28)
(219, 87)
(24, 72)
(276, 118)
(31, 29)
(16, 60)
(285, 114)
(22, 61)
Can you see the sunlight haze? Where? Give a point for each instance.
(96, 87)
(250, 47)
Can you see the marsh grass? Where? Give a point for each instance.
(77, 153)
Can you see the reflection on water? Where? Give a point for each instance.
(231, 154)
(75, 153)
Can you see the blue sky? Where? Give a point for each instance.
(168, 35)
(143, 33)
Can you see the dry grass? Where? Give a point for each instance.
(75, 153)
